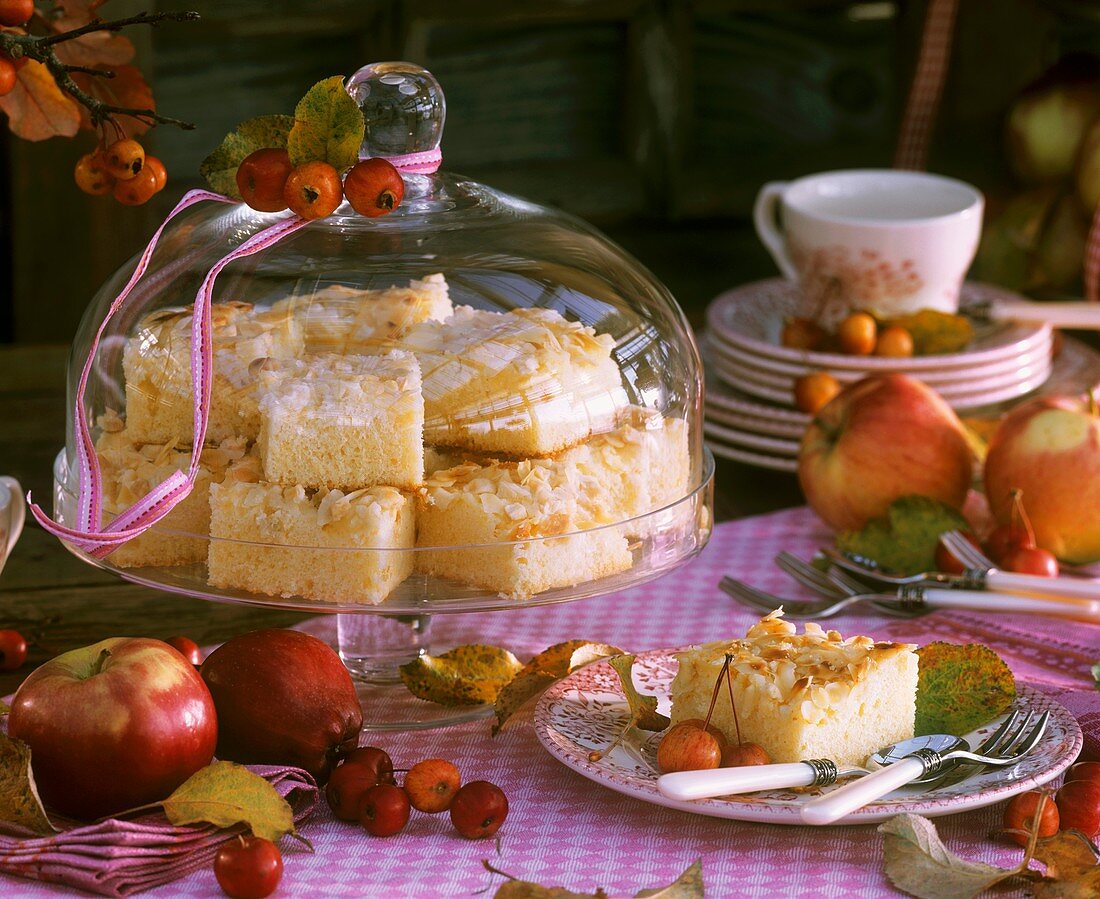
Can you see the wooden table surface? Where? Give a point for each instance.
(45, 589)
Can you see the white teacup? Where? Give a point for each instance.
(885, 241)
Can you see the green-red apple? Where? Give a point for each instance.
(879, 439)
(1050, 449)
(114, 725)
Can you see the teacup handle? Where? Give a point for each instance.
(17, 513)
(764, 217)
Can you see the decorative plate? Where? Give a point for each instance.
(753, 425)
(738, 437)
(757, 460)
(587, 710)
(751, 318)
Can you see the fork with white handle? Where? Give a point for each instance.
(922, 763)
(979, 565)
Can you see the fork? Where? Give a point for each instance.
(981, 566)
(820, 581)
(1012, 748)
(909, 599)
(869, 568)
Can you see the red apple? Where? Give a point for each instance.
(882, 438)
(114, 725)
(1050, 449)
(283, 698)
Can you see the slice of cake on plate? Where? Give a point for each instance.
(343, 319)
(343, 421)
(532, 509)
(130, 470)
(804, 696)
(522, 383)
(324, 545)
(157, 366)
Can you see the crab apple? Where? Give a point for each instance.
(377, 760)
(945, 559)
(159, 171)
(137, 190)
(374, 187)
(261, 178)
(813, 392)
(802, 334)
(1084, 771)
(15, 12)
(345, 788)
(688, 747)
(8, 75)
(13, 649)
(313, 190)
(186, 647)
(91, 175)
(1079, 806)
(479, 809)
(894, 342)
(248, 867)
(432, 785)
(1020, 815)
(384, 810)
(125, 159)
(858, 334)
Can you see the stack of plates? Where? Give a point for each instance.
(750, 414)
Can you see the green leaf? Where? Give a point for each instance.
(905, 541)
(918, 863)
(960, 687)
(548, 666)
(328, 125)
(643, 709)
(688, 885)
(465, 675)
(19, 801)
(936, 332)
(224, 794)
(220, 167)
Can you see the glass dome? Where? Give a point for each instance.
(473, 402)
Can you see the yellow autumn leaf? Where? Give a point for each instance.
(225, 794)
(328, 125)
(465, 675)
(935, 332)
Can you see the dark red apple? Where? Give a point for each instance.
(114, 725)
(283, 698)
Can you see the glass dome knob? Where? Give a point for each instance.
(403, 107)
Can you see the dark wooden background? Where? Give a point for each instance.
(656, 119)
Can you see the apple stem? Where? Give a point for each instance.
(717, 687)
(100, 662)
(1019, 517)
(130, 811)
(733, 705)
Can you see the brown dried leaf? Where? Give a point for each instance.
(643, 709)
(1072, 869)
(688, 885)
(465, 675)
(100, 48)
(548, 666)
(127, 88)
(19, 802)
(918, 863)
(225, 794)
(36, 107)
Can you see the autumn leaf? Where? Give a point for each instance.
(1072, 869)
(465, 675)
(19, 801)
(643, 709)
(220, 167)
(224, 794)
(1096, 674)
(936, 332)
(328, 125)
(128, 88)
(100, 48)
(905, 540)
(688, 885)
(36, 107)
(960, 687)
(548, 666)
(918, 863)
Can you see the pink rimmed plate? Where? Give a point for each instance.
(587, 710)
(751, 318)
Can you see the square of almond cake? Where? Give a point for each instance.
(157, 367)
(804, 696)
(343, 319)
(523, 383)
(342, 421)
(323, 545)
(511, 505)
(130, 470)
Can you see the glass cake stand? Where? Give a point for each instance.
(374, 641)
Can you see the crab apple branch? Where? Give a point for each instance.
(40, 48)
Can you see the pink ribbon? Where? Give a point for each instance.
(88, 535)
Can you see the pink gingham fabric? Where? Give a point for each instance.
(565, 830)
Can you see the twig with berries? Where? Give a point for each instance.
(16, 46)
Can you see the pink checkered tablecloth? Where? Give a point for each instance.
(565, 830)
